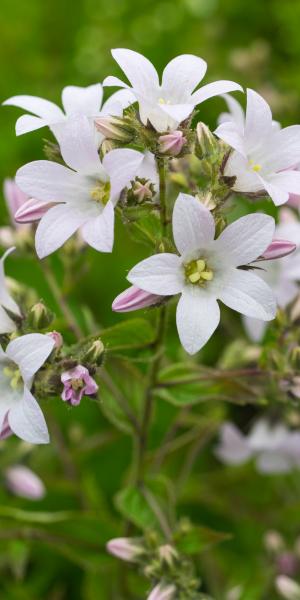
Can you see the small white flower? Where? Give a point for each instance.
(167, 104)
(76, 101)
(23, 357)
(236, 114)
(276, 449)
(264, 156)
(6, 302)
(86, 192)
(207, 270)
(287, 588)
(282, 275)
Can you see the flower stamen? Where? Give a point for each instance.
(101, 192)
(197, 272)
(255, 166)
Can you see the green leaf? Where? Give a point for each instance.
(200, 538)
(183, 384)
(122, 390)
(131, 334)
(132, 505)
(144, 226)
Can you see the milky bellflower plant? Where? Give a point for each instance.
(208, 269)
(264, 157)
(86, 191)
(165, 105)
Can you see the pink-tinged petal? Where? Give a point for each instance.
(98, 231)
(134, 299)
(23, 482)
(248, 294)
(163, 592)
(197, 317)
(57, 226)
(233, 448)
(217, 88)
(57, 339)
(29, 352)
(125, 548)
(278, 249)
(294, 200)
(77, 382)
(32, 210)
(246, 239)
(82, 100)
(184, 73)
(160, 274)
(38, 106)
(193, 224)
(5, 430)
(122, 165)
(138, 69)
(48, 181)
(78, 148)
(172, 143)
(14, 197)
(27, 420)
(28, 123)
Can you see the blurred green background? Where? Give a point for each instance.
(45, 46)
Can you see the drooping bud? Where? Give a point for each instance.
(94, 353)
(288, 588)
(57, 338)
(14, 197)
(40, 316)
(115, 128)
(77, 382)
(32, 210)
(278, 249)
(128, 549)
(206, 143)
(163, 592)
(172, 143)
(133, 299)
(22, 482)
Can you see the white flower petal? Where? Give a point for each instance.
(82, 100)
(30, 352)
(122, 165)
(78, 148)
(138, 70)
(289, 181)
(178, 112)
(160, 274)
(217, 88)
(39, 106)
(98, 232)
(27, 420)
(275, 190)
(235, 114)
(112, 81)
(258, 125)
(8, 397)
(284, 151)
(232, 135)
(58, 224)
(246, 239)
(182, 75)
(48, 181)
(255, 328)
(197, 317)
(273, 462)
(233, 448)
(193, 224)
(246, 180)
(122, 99)
(28, 123)
(6, 323)
(5, 298)
(148, 170)
(248, 294)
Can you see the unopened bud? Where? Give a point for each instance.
(278, 249)
(40, 316)
(32, 210)
(21, 481)
(57, 338)
(168, 554)
(115, 128)
(128, 549)
(172, 143)
(134, 299)
(143, 189)
(287, 588)
(206, 143)
(94, 353)
(163, 592)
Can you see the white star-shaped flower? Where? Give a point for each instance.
(19, 410)
(207, 270)
(86, 192)
(264, 156)
(6, 301)
(170, 102)
(76, 101)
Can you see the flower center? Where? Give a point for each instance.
(77, 384)
(255, 166)
(15, 377)
(163, 101)
(197, 272)
(100, 192)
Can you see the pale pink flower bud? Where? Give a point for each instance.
(77, 383)
(21, 481)
(125, 548)
(278, 249)
(57, 338)
(133, 299)
(294, 200)
(32, 210)
(142, 191)
(114, 128)
(14, 197)
(162, 592)
(172, 143)
(287, 588)
(287, 563)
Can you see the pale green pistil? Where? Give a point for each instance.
(197, 272)
(14, 376)
(77, 384)
(100, 192)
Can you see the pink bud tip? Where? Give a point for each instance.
(162, 592)
(14, 197)
(5, 431)
(124, 548)
(278, 249)
(133, 299)
(294, 200)
(77, 383)
(32, 210)
(57, 338)
(172, 143)
(21, 481)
